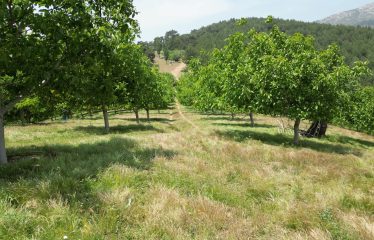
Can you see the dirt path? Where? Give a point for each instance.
(184, 117)
(174, 68)
(177, 71)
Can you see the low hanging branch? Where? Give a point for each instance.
(10, 105)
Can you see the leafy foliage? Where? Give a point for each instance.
(359, 113)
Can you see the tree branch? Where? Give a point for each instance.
(12, 103)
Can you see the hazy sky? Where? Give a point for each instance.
(158, 16)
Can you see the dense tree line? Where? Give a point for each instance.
(277, 74)
(355, 42)
(64, 57)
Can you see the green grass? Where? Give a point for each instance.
(167, 179)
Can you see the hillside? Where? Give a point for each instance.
(355, 42)
(363, 16)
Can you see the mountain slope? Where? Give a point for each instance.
(363, 16)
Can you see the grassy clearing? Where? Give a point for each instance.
(171, 180)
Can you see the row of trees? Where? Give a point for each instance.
(76, 56)
(273, 73)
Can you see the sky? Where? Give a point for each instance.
(156, 17)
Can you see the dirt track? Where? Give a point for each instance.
(177, 71)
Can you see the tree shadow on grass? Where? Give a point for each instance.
(69, 169)
(144, 120)
(246, 125)
(350, 141)
(218, 118)
(240, 118)
(286, 141)
(119, 129)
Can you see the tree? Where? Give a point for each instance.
(223, 83)
(146, 88)
(186, 89)
(41, 44)
(159, 93)
(177, 55)
(30, 55)
(237, 75)
(208, 90)
(170, 42)
(148, 50)
(139, 80)
(158, 44)
(295, 80)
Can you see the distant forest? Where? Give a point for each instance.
(356, 43)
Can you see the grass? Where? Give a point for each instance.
(168, 179)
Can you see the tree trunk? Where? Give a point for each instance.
(22, 116)
(296, 131)
(3, 156)
(252, 119)
(106, 118)
(317, 129)
(137, 115)
(148, 118)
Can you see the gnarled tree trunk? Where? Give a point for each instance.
(106, 118)
(148, 118)
(136, 111)
(3, 156)
(296, 128)
(252, 119)
(3, 111)
(317, 129)
(232, 116)
(22, 116)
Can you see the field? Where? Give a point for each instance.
(184, 175)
